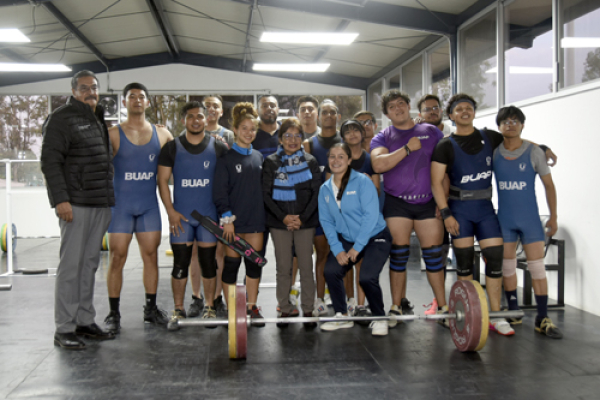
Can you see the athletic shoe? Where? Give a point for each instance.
(294, 295)
(113, 322)
(433, 307)
(209, 314)
(547, 327)
(407, 308)
(220, 307)
(196, 307)
(177, 315)
(155, 315)
(501, 326)
(255, 316)
(68, 341)
(351, 305)
(362, 311)
(379, 328)
(93, 331)
(283, 324)
(309, 325)
(335, 325)
(444, 322)
(327, 297)
(394, 311)
(320, 307)
(513, 320)
(294, 312)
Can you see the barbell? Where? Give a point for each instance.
(467, 305)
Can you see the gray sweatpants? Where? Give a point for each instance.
(80, 244)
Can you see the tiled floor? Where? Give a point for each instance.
(416, 360)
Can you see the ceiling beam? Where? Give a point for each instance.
(247, 41)
(373, 12)
(340, 28)
(76, 32)
(472, 10)
(13, 55)
(162, 22)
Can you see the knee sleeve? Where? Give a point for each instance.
(182, 256)
(537, 268)
(230, 270)
(493, 257)
(433, 258)
(509, 267)
(252, 269)
(208, 261)
(399, 258)
(464, 260)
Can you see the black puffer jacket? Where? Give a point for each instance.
(307, 195)
(77, 156)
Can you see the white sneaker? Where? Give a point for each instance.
(333, 326)
(379, 328)
(294, 296)
(320, 308)
(351, 306)
(394, 311)
(501, 326)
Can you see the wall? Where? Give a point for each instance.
(568, 125)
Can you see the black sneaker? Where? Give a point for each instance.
(546, 327)
(68, 341)
(154, 315)
(220, 307)
(178, 314)
(407, 308)
(255, 316)
(283, 324)
(361, 311)
(113, 322)
(208, 315)
(513, 320)
(309, 325)
(93, 331)
(196, 307)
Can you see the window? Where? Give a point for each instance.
(528, 49)
(579, 43)
(439, 73)
(412, 80)
(478, 61)
(374, 100)
(164, 110)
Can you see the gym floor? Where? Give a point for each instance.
(416, 360)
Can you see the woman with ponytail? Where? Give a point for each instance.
(355, 229)
(291, 181)
(238, 197)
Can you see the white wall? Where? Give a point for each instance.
(176, 78)
(569, 125)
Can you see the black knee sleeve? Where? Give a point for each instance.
(252, 269)
(433, 258)
(464, 260)
(493, 257)
(182, 256)
(399, 257)
(230, 270)
(208, 261)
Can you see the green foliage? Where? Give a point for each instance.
(164, 110)
(592, 66)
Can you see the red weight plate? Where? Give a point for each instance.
(241, 325)
(468, 298)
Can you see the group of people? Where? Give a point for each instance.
(354, 195)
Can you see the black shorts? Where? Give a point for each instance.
(395, 207)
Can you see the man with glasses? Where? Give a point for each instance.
(432, 113)
(308, 114)
(402, 153)
(369, 122)
(77, 164)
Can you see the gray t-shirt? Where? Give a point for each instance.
(226, 134)
(538, 158)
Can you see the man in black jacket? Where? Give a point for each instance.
(77, 164)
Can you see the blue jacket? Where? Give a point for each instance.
(359, 218)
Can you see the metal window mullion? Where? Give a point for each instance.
(500, 81)
(557, 54)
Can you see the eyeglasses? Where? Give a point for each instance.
(366, 122)
(85, 89)
(430, 109)
(508, 122)
(291, 136)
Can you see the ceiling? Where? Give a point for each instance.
(124, 34)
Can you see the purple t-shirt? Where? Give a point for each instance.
(410, 179)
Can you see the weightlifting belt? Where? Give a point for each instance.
(459, 194)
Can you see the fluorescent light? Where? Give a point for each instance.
(291, 67)
(579, 42)
(17, 67)
(523, 70)
(12, 35)
(324, 38)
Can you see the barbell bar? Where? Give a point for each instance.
(468, 318)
